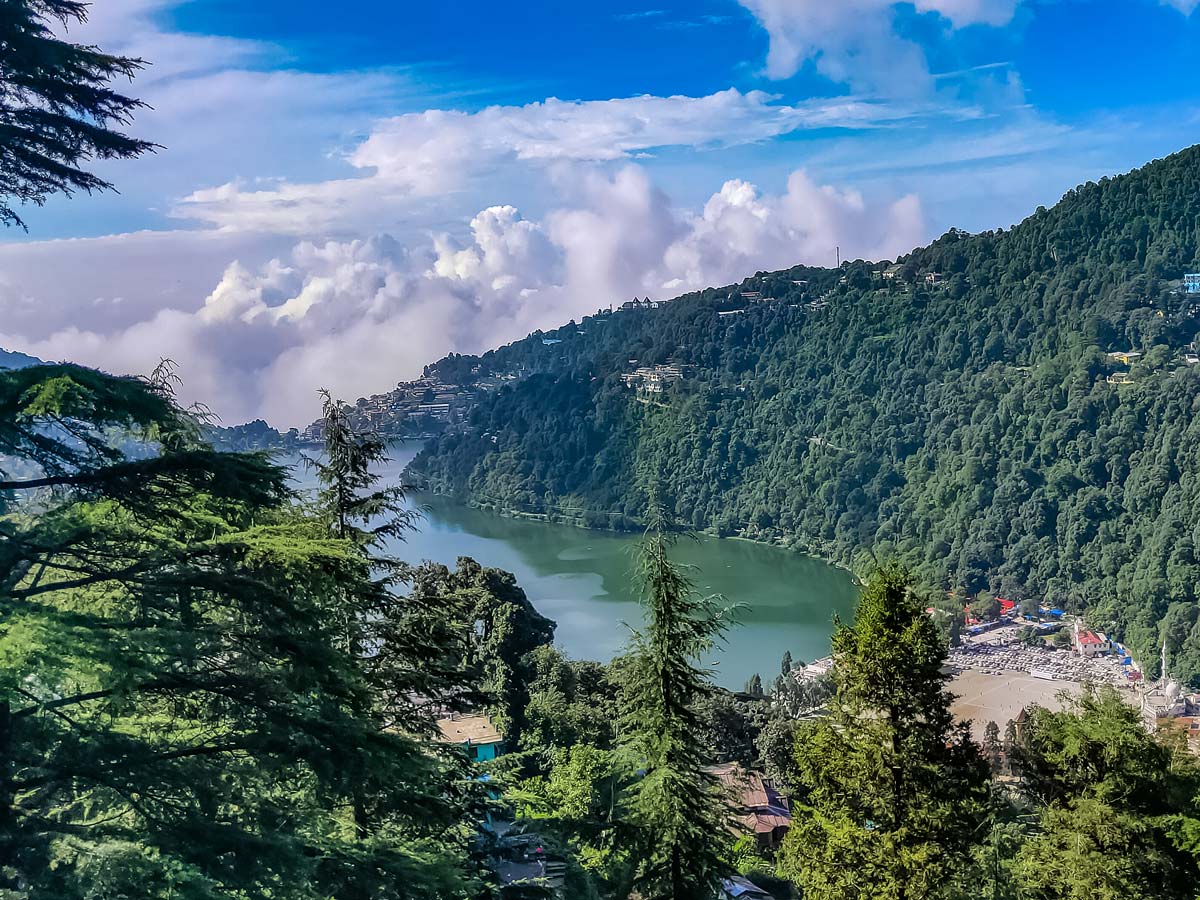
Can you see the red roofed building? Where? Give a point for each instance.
(1088, 643)
(1006, 606)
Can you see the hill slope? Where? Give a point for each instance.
(958, 414)
(10, 359)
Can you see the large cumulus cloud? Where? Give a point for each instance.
(357, 315)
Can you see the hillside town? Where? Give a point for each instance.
(414, 409)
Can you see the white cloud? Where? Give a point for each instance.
(357, 315)
(436, 152)
(854, 41)
(220, 108)
(740, 231)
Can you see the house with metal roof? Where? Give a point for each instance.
(474, 732)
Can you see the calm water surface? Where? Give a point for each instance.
(583, 581)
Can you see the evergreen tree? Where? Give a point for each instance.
(1117, 806)
(786, 665)
(991, 744)
(408, 647)
(892, 792)
(754, 687)
(675, 808)
(417, 645)
(178, 714)
(1010, 738)
(358, 511)
(57, 110)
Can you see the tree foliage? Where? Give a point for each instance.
(571, 702)
(178, 706)
(58, 111)
(674, 805)
(892, 792)
(504, 627)
(1116, 804)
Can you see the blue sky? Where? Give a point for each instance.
(349, 191)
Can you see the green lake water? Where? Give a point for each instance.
(583, 580)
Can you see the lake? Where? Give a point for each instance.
(583, 580)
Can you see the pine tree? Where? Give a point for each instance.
(991, 745)
(412, 648)
(677, 813)
(1118, 806)
(57, 110)
(786, 665)
(754, 687)
(177, 707)
(892, 792)
(358, 511)
(1010, 740)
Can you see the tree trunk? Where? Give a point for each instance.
(7, 814)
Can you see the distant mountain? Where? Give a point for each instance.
(256, 435)
(12, 360)
(1016, 411)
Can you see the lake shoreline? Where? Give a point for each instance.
(779, 543)
(585, 580)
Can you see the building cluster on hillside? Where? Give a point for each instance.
(653, 379)
(894, 272)
(414, 406)
(748, 298)
(1189, 356)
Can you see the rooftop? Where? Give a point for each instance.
(759, 807)
(473, 729)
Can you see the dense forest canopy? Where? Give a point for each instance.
(959, 411)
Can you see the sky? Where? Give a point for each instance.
(346, 192)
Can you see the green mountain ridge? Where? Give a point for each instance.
(960, 412)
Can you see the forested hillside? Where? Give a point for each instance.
(960, 412)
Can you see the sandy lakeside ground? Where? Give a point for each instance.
(984, 698)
